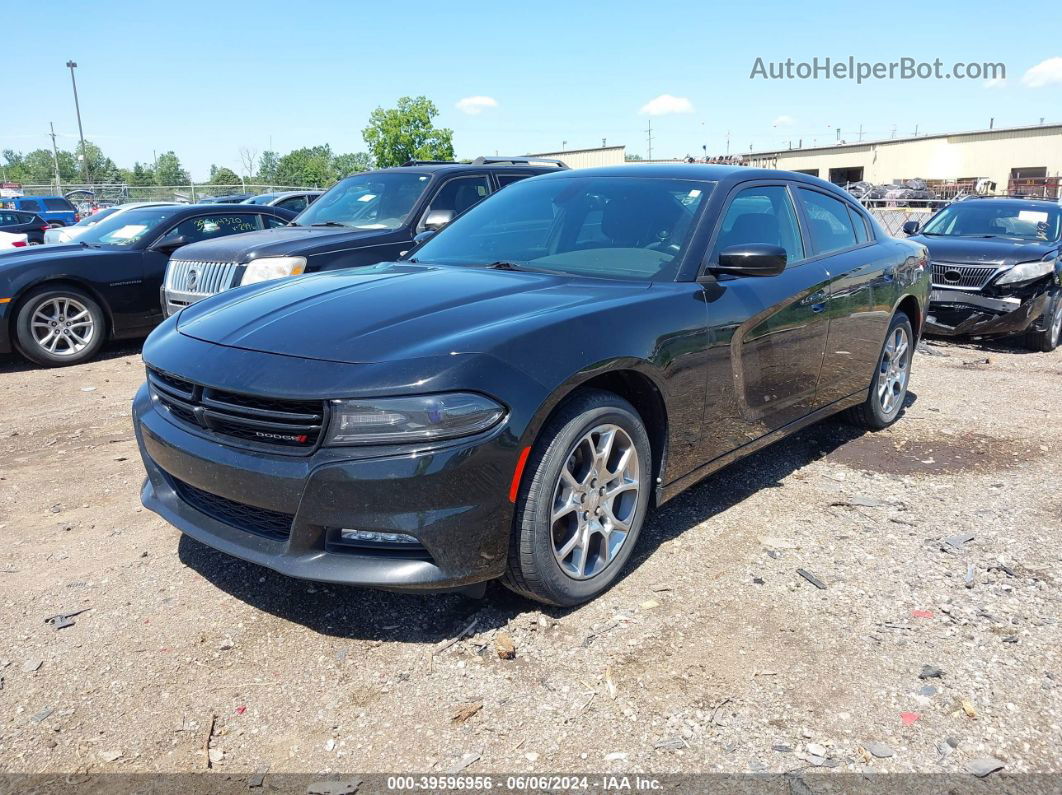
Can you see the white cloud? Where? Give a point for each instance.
(996, 82)
(473, 106)
(1044, 73)
(783, 121)
(665, 104)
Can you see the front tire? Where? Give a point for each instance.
(59, 326)
(583, 501)
(888, 387)
(1047, 340)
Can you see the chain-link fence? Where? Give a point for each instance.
(120, 193)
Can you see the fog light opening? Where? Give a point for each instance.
(368, 537)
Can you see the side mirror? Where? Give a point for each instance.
(910, 228)
(437, 219)
(168, 246)
(427, 234)
(750, 259)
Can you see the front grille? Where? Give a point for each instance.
(948, 275)
(271, 524)
(192, 277)
(274, 423)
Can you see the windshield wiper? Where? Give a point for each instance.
(328, 223)
(504, 265)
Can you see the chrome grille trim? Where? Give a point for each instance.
(963, 277)
(210, 277)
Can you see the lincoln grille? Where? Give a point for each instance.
(291, 424)
(962, 277)
(271, 524)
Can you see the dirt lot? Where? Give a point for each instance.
(714, 654)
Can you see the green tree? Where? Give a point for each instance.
(100, 167)
(141, 176)
(306, 167)
(632, 158)
(351, 163)
(168, 170)
(267, 167)
(406, 133)
(220, 175)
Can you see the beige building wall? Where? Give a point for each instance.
(588, 158)
(990, 153)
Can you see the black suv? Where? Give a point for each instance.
(997, 269)
(21, 223)
(362, 220)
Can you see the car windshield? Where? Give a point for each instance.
(609, 227)
(379, 200)
(126, 229)
(976, 218)
(92, 220)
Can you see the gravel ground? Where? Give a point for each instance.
(934, 643)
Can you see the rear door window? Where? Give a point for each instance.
(509, 179)
(829, 223)
(30, 205)
(59, 205)
(296, 204)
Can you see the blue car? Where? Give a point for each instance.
(56, 210)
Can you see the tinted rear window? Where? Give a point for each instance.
(60, 205)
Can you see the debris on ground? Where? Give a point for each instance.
(984, 767)
(504, 646)
(880, 750)
(807, 575)
(63, 620)
(466, 712)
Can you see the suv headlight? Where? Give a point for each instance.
(411, 419)
(267, 268)
(1027, 271)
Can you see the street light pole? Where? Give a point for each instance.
(77, 107)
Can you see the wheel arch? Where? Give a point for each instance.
(909, 306)
(629, 381)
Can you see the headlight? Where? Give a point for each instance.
(267, 268)
(411, 419)
(1027, 271)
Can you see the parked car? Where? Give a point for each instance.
(29, 224)
(363, 219)
(230, 198)
(294, 200)
(997, 269)
(58, 304)
(512, 399)
(64, 234)
(56, 210)
(10, 240)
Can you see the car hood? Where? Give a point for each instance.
(987, 250)
(282, 241)
(396, 311)
(62, 253)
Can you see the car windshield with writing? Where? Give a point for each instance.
(603, 226)
(977, 218)
(124, 230)
(368, 201)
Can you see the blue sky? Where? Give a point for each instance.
(205, 78)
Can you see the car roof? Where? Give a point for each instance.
(1030, 202)
(284, 194)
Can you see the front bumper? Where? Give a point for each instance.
(956, 313)
(452, 499)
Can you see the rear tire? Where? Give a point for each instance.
(1047, 340)
(582, 502)
(59, 326)
(888, 386)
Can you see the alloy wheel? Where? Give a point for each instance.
(894, 370)
(595, 501)
(62, 326)
(1056, 324)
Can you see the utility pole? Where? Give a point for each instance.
(860, 132)
(728, 142)
(77, 107)
(55, 159)
(916, 131)
(650, 133)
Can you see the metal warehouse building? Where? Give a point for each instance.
(1017, 159)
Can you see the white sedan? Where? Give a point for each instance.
(9, 240)
(65, 234)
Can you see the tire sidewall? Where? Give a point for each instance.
(882, 419)
(563, 589)
(1051, 341)
(29, 347)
